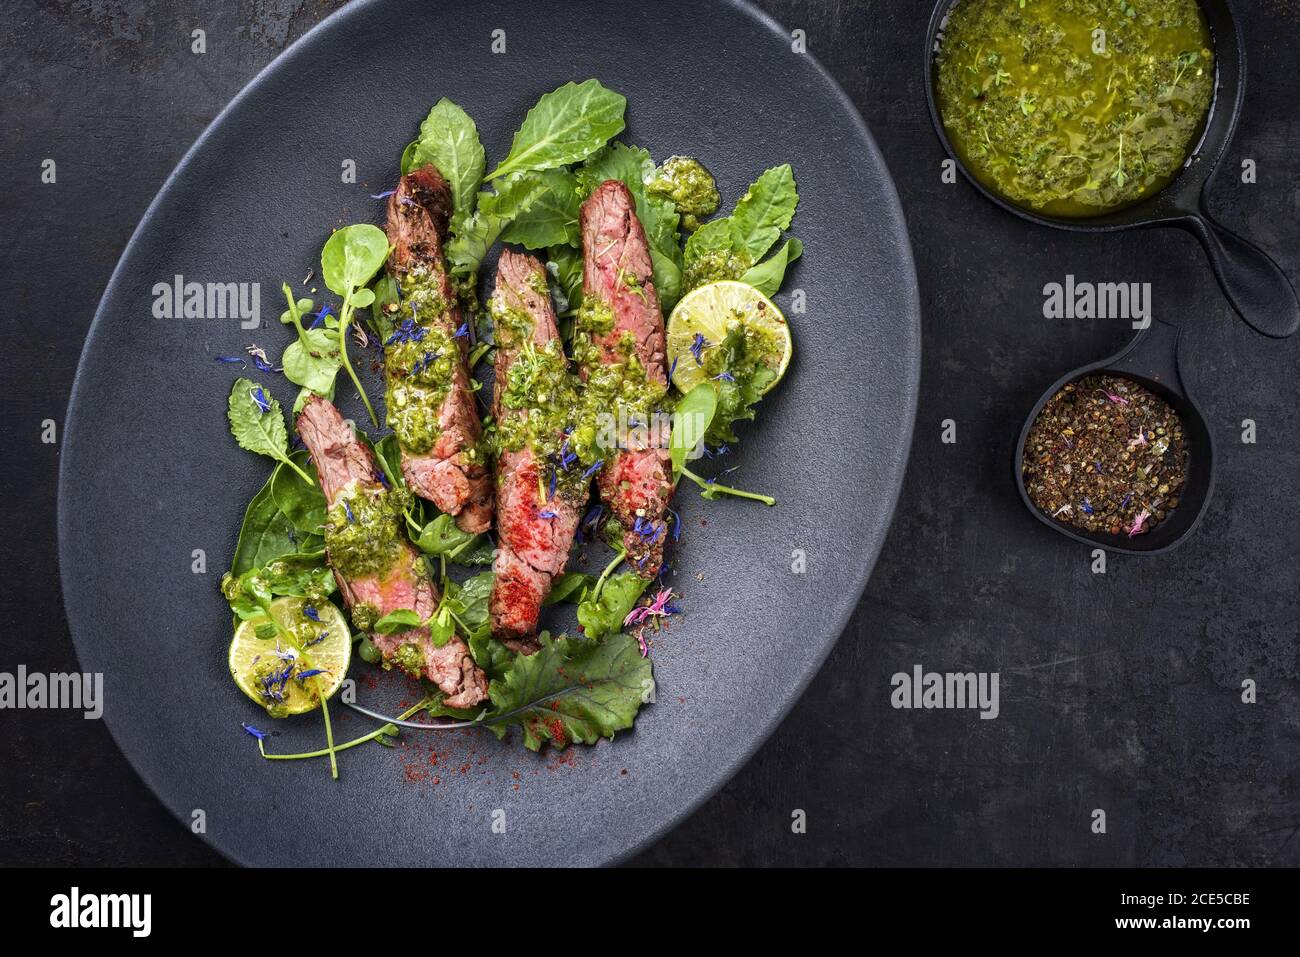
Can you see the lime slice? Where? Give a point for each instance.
(713, 311)
(266, 668)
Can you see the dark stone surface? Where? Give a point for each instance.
(1119, 691)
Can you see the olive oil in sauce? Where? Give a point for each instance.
(1074, 108)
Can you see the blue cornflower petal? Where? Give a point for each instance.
(384, 195)
(311, 612)
(259, 397)
(260, 735)
(320, 317)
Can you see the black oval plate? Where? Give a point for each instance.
(150, 474)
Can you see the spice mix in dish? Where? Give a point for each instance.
(1106, 455)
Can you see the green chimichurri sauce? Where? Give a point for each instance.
(419, 362)
(688, 185)
(363, 530)
(570, 425)
(1074, 107)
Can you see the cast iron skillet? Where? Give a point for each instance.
(1254, 284)
(1151, 360)
(149, 473)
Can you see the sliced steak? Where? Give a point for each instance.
(536, 519)
(377, 568)
(430, 404)
(636, 481)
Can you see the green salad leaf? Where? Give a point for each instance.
(730, 247)
(694, 415)
(569, 586)
(441, 537)
(552, 217)
(572, 690)
(768, 275)
(764, 211)
(302, 504)
(564, 263)
(257, 423)
(567, 125)
(403, 619)
(604, 614)
(351, 257)
(474, 235)
(449, 140)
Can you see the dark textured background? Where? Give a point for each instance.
(1119, 691)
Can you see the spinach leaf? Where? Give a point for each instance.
(441, 628)
(449, 140)
(569, 585)
(604, 614)
(257, 423)
(768, 275)
(408, 161)
(349, 260)
(766, 208)
(441, 538)
(572, 690)
(567, 125)
(691, 421)
(468, 603)
(266, 534)
(303, 505)
(403, 619)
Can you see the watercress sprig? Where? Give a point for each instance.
(348, 261)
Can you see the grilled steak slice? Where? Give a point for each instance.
(621, 337)
(377, 569)
(429, 400)
(536, 518)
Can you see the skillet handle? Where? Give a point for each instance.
(1255, 285)
(1153, 354)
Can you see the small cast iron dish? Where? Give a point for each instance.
(1151, 360)
(1254, 284)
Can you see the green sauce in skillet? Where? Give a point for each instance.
(1044, 120)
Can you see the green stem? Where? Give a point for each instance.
(329, 731)
(347, 744)
(344, 322)
(609, 570)
(726, 489)
(294, 314)
(293, 465)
